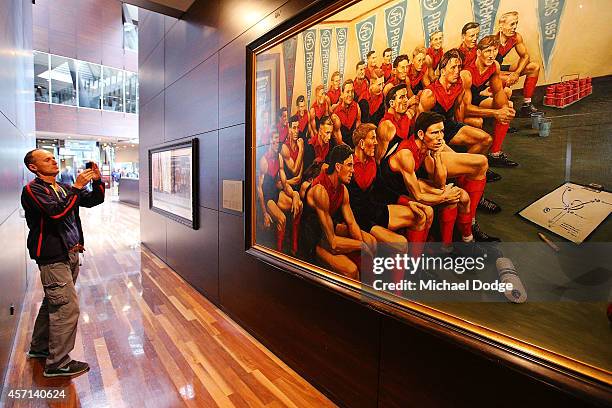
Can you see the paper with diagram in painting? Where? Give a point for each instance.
(571, 211)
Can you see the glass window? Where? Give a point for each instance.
(41, 76)
(90, 85)
(131, 92)
(130, 27)
(63, 80)
(113, 89)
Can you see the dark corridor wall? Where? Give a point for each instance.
(16, 138)
(192, 83)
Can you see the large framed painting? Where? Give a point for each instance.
(443, 160)
(173, 182)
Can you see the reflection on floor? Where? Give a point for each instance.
(151, 340)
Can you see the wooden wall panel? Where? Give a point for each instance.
(112, 23)
(418, 369)
(153, 25)
(89, 30)
(232, 81)
(151, 121)
(89, 121)
(130, 61)
(40, 38)
(89, 49)
(63, 119)
(209, 169)
(200, 268)
(43, 115)
(119, 124)
(62, 16)
(151, 75)
(231, 162)
(61, 43)
(196, 92)
(152, 228)
(112, 56)
(90, 24)
(192, 40)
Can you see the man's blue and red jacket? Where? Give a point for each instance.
(46, 213)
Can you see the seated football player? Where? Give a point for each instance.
(319, 108)
(360, 83)
(346, 116)
(476, 78)
(382, 220)
(275, 196)
(371, 102)
(509, 39)
(328, 217)
(434, 55)
(417, 71)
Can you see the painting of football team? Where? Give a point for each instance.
(395, 154)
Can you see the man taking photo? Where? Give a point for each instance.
(54, 242)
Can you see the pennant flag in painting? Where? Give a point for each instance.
(289, 52)
(310, 40)
(549, 14)
(484, 14)
(433, 13)
(394, 21)
(365, 35)
(341, 35)
(326, 39)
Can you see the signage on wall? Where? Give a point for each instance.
(310, 39)
(485, 12)
(549, 15)
(365, 35)
(394, 22)
(232, 195)
(341, 35)
(289, 52)
(433, 13)
(326, 39)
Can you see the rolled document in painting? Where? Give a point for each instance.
(507, 274)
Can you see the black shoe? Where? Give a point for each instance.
(500, 161)
(72, 369)
(38, 354)
(526, 110)
(492, 176)
(481, 236)
(489, 206)
(512, 129)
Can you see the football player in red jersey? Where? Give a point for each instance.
(509, 39)
(434, 55)
(469, 38)
(480, 80)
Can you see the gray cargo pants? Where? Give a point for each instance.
(56, 324)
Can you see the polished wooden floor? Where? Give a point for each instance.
(151, 340)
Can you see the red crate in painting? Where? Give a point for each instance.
(567, 91)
